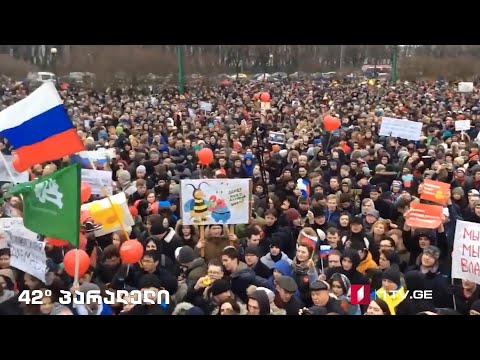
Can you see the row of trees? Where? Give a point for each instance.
(415, 61)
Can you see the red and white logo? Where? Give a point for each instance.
(360, 294)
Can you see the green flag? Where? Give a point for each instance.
(51, 204)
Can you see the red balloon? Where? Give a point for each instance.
(83, 241)
(133, 211)
(205, 156)
(56, 242)
(86, 191)
(256, 96)
(265, 97)
(331, 123)
(131, 252)
(69, 262)
(154, 207)
(17, 165)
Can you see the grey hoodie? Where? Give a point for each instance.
(267, 260)
(6, 295)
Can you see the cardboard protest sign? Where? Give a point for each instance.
(26, 252)
(401, 128)
(466, 252)
(435, 191)
(215, 201)
(462, 125)
(424, 216)
(98, 178)
(465, 86)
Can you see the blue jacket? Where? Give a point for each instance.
(81, 310)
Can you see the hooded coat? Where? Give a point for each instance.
(414, 280)
(242, 278)
(353, 274)
(263, 301)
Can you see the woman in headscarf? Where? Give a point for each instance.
(340, 287)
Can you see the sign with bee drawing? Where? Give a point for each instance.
(215, 201)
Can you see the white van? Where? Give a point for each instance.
(42, 76)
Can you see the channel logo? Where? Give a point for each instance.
(360, 294)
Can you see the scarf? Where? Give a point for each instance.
(299, 268)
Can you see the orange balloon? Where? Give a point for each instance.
(331, 123)
(265, 97)
(85, 191)
(17, 165)
(56, 242)
(83, 262)
(205, 156)
(154, 207)
(133, 211)
(131, 252)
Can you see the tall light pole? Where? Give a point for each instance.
(181, 82)
(53, 59)
(342, 50)
(394, 64)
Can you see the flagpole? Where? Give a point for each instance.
(77, 250)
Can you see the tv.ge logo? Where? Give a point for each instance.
(362, 295)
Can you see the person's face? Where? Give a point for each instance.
(333, 183)
(253, 240)
(428, 261)
(332, 204)
(131, 155)
(228, 263)
(148, 264)
(302, 172)
(386, 245)
(142, 189)
(225, 306)
(344, 220)
(302, 254)
(47, 305)
(297, 222)
(274, 250)
(378, 229)
(151, 246)
(347, 264)
(333, 239)
(270, 220)
(366, 206)
(334, 260)
(238, 163)
(337, 288)
(253, 307)
(374, 309)
(284, 295)
(468, 285)
(222, 162)
(151, 198)
(374, 195)
(383, 262)
(186, 230)
(140, 174)
(216, 231)
(389, 285)
(215, 272)
(4, 261)
(155, 157)
(356, 228)
(423, 242)
(251, 259)
(320, 298)
(112, 262)
(116, 240)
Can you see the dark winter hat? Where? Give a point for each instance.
(220, 286)
(186, 255)
(292, 214)
(251, 250)
(356, 220)
(392, 274)
(275, 241)
(149, 281)
(287, 283)
(319, 285)
(195, 311)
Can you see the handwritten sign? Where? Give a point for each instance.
(206, 106)
(466, 252)
(26, 252)
(215, 201)
(97, 179)
(435, 191)
(424, 216)
(462, 125)
(401, 128)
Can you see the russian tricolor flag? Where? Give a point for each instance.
(304, 187)
(325, 250)
(308, 239)
(39, 128)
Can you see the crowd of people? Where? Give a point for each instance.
(347, 191)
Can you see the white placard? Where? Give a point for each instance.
(26, 252)
(191, 113)
(465, 86)
(461, 125)
(98, 178)
(19, 177)
(401, 128)
(466, 254)
(205, 106)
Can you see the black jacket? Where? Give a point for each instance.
(242, 278)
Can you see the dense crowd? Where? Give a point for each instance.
(348, 191)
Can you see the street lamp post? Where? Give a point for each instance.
(53, 59)
(394, 64)
(181, 82)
